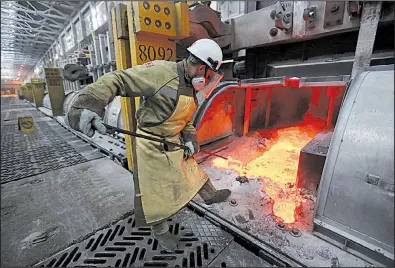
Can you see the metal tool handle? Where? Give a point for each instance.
(145, 137)
(215, 154)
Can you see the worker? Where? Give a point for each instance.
(168, 177)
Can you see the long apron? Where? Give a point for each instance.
(166, 181)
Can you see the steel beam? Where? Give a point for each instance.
(10, 22)
(18, 33)
(31, 36)
(34, 8)
(47, 36)
(58, 11)
(64, 6)
(74, 33)
(21, 58)
(25, 40)
(12, 56)
(103, 53)
(39, 13)
(28, 29)
(12, 38)
(17, 62)
(52, 27)
(43, 4)
(38, 22)
(17, 55)
(7, 54)
(366, 37)
(83, 26)
(56, 22)
(98, 59)
(21, 50)
(122, 58)
(110, 36)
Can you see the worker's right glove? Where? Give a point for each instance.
(85, 121)
(190, 151)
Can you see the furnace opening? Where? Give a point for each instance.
(270, 146)
(271, 157)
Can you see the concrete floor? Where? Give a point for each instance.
(45, 213)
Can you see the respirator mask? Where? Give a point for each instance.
(207, 84)
(198, 83)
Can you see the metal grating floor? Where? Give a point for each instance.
(24, 155)
(11, 101)
(16, 106)
(13, 115)
(124, 245)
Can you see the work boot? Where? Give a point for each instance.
(160, 232)
(167, 240)
(210, 195)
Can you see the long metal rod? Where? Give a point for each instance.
(145, 137)
(159, 140)
(214, 154)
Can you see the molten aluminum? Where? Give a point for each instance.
(271, 157)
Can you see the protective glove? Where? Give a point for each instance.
(85, 121)
(190, 151)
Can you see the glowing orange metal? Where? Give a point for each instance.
(277, 166)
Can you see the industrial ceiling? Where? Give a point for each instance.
(28, 28)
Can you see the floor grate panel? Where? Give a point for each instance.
(13, 115)
(11, 101)
(24, 155)
(124, 245)
(16, 106)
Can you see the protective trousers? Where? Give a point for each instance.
(207, 192)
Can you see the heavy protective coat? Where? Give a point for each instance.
(167, 182)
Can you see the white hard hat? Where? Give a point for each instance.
(207, 51)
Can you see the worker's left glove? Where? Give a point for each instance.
(85, 114)
(85, 121)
